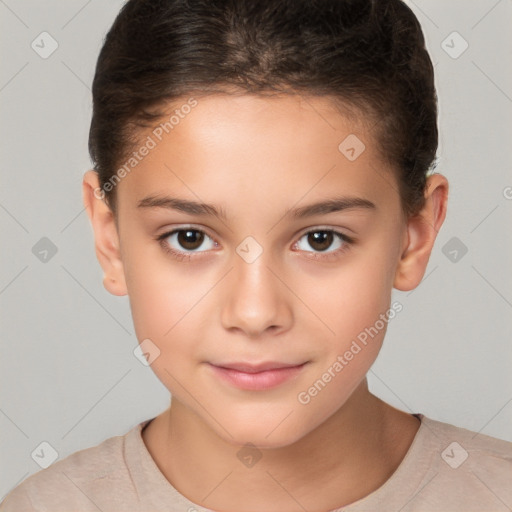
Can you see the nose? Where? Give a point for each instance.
(256, 300)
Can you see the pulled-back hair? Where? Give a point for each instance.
(368, 55)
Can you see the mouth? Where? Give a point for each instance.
(256, 377)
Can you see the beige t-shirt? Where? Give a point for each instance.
(446, 469)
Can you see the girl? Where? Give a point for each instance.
(262, 181)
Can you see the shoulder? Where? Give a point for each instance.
(80, 481)
(447, 468)
(460, 443)
(468, 470)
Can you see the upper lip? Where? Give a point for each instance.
(255, 368)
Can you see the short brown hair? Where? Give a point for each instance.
(368, 54)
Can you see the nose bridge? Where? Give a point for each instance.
(255, 299)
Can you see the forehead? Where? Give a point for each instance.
(229, 149)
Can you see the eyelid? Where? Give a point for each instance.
(326, 256)
(170, 231)
(182, 255)
(340, 231)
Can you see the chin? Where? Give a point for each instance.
(263, 434)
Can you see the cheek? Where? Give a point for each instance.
(355, 304)
(166, 302)
(167, 309)
(350, 297)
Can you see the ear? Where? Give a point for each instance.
(421, 234)
(105, 234)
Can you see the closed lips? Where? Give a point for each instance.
(257, 368)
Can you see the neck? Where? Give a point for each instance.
(346, 458)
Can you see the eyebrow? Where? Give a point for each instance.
(334, 204)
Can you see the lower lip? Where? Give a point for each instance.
(257, 381)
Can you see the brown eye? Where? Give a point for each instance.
(320, 240)
(190, 239)
(186, 241)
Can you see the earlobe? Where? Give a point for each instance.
(106, 236)
(422, 230)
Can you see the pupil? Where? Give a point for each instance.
(324, 238)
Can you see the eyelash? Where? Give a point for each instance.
(183, 256)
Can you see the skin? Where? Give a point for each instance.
(257, 158)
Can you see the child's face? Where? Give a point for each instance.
(256, 159)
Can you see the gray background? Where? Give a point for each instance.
(68, 373)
